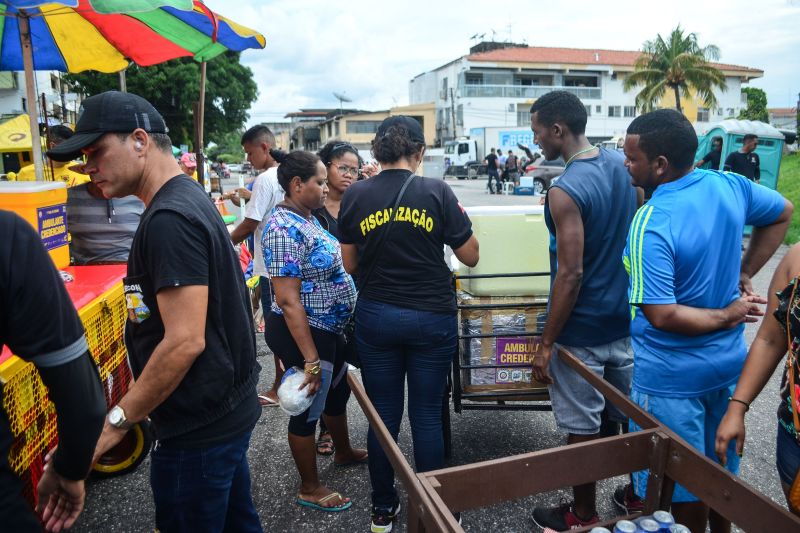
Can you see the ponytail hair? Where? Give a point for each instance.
(299, 163)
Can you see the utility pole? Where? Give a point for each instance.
(453, 111)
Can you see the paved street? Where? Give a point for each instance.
(125, 504)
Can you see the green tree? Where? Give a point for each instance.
(679, 64)
(174, 86)
(756, 105)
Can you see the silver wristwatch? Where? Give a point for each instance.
(116, 417)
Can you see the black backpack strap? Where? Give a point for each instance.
(364, 279)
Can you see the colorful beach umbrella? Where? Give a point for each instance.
(105, 35)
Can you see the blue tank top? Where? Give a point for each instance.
(601, 188)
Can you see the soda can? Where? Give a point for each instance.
(679, 528)
(648, 525)
(625, 526)
(664, 519)
(599, 530)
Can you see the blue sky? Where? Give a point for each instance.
(369, 50)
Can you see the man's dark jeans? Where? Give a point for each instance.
(203, 489)
(393, 342)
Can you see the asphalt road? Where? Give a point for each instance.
(125, 504)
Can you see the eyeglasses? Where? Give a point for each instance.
(344, 170)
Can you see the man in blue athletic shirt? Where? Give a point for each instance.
(690, 289)
(587, 211)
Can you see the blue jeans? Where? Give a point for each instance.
(203, 489)
(395, 342)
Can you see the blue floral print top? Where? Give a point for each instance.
(295, 247)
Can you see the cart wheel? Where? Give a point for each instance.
(126, 456)
(446, 428)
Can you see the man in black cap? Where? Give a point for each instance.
(189, 332)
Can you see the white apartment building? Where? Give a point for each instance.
(62, 106)
(496, 87)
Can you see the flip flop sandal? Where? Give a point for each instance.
(361, 461)
(316, 505)
(266, 401)
(325, 445)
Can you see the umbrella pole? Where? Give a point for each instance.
(201, 168)
(27, 61)
(123, 84)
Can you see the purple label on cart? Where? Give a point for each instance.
(516, 351)
(53, 225)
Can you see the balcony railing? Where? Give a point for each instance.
(526, 91)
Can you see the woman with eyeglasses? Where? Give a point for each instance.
(342, 161)
(406, 314)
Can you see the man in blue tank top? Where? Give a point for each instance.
(690, 290)
(587, 211)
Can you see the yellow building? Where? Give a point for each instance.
(359, 128)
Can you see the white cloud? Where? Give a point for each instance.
(370, 50)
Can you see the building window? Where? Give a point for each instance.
(730, 112)
(719, 111)
(702, 114)
(474, 78)
(629, 111)
(24, 105)
(336, 128)
(588, 110)
(598, 109)
(614, 111)
(460, 115)
(362, 126)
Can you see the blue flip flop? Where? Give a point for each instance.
(316, 505)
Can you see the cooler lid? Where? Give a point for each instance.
(498, 210)
(17, 187)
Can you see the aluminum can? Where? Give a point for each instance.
(625, 526)
(648, 525)
(664, 520)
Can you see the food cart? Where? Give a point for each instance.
(501, 314)
(97, 293)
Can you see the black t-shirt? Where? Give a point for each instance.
(491, 162)
(182, 241)
(327, 221)
(712, 159)
(39, 323)
(410, 271)
(748, 165)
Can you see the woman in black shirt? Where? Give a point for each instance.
(406, 312)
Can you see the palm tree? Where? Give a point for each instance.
(678, 63)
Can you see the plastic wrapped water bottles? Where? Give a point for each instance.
(599, 530)
(679, 528)
(292, 400)
(648, 525)
(664, 519)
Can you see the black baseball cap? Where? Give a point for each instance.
(409, 123)
(108, 112)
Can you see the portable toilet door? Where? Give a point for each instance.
(769, 150)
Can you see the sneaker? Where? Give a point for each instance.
(561, 518)
(627, 500)
(383, 519)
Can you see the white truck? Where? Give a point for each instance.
(463, 157)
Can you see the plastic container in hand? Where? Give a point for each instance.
(291, 398)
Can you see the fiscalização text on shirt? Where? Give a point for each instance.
(419, 218)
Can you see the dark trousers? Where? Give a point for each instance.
(395, 344)
(203, 489)
(494, 176)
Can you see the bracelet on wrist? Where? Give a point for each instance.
(746, 405)
(312, 362)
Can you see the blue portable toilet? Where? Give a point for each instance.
(770, 145)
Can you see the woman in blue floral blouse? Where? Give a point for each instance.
(314, 299)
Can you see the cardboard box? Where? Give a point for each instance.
(509, 352)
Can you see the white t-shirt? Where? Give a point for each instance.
(267, 193)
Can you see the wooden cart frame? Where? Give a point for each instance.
(434, 496)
